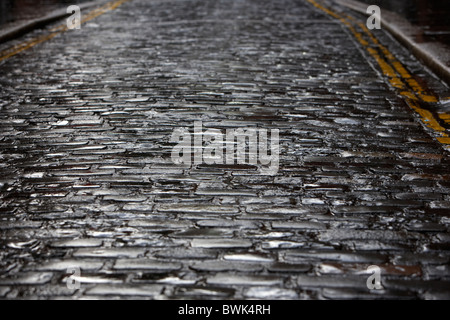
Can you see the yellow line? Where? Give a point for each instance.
(6, 54)
(418, 89)
(427, 117)
(443, 140)
(396, 74)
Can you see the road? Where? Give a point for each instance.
(88, 185)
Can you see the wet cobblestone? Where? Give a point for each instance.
(86, 178)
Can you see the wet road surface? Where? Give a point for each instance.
(87, 180)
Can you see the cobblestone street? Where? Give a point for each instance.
(87, 180)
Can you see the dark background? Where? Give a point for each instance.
(14, 11)
(431, 15)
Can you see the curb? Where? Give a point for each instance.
(15, 32)
(433, 54)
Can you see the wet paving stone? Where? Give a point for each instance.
(186, 253)
(125, 290)
(203, 292)
(289, 268)
(110, 253)
(80, 243)
(226, 266)
(352, 294)
(221, 243)
(64, 265)
(240, 280)
(31, 278)
(4, 291)
(270, 293)
(87, 180)
(325, 255)
(146, 264)
(326, 281)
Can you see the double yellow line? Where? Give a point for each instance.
(6, 54)
(398, 76)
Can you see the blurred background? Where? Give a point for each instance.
(14, 12)
(433, 16)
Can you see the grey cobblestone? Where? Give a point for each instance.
(31, 278)
(114, 253)
(121, 290)
(352, 294)
(86, 177)
(221, 243)
(299, 255)
(80, 243)
(146, 264)
(224, 266)
(63, 265)
(240, 280)
(270, 293)
(203, 292)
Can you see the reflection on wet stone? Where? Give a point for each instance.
(87, 181)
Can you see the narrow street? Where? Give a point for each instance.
(88, 181)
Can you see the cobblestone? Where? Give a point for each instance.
(87, 181)
(248, 280)
(110, 253)
(64, 265)
(32, 278)
(121, 290)
(146, 264)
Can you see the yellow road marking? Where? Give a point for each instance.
(445, 117)
(418, 89)
(6, 54)
(443, 140)
(427, 117)
(396, 73)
